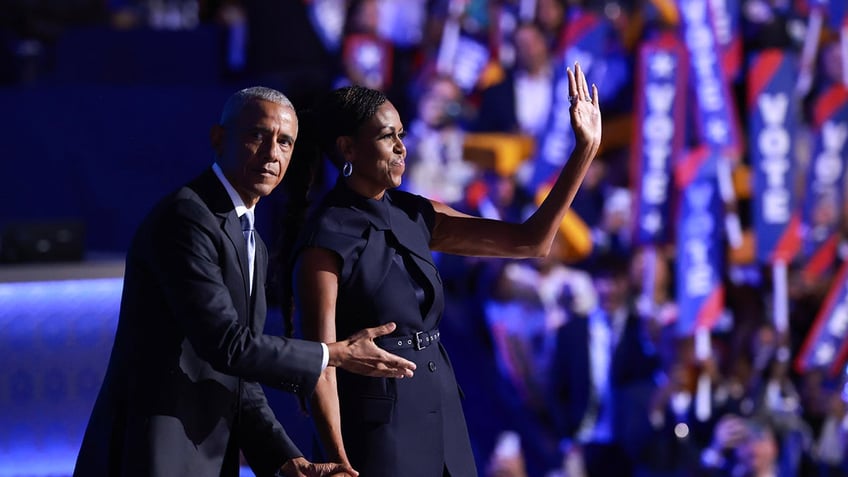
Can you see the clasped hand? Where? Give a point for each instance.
(300, 467)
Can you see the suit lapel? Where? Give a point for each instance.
(257, 299)
(232, 229)
(210, 189)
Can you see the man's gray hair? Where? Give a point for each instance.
(237, 101)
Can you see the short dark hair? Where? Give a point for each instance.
(611, 265)
(236, 102)
(342, 112)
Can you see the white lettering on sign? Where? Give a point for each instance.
(704, 60)
(824, 354)
(698, 227)
(774, 145)
(835, 329)
(471, 58)
(838, 322)
(827, 166)
(721, 21)
(657, 136)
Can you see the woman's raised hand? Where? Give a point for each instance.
(585, 112)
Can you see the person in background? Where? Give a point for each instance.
(366, 257)
(759, 453)
(831, 443)
(679, 429)
(182, 392)
(531, 300)
(744, 447)
(551, 16)
(521, 102)
(602, 377)
(437, 168)
(366, 58)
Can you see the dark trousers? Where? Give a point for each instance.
(606, 460)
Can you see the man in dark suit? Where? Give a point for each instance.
(521, 102)
(602, 378)
(182, 392)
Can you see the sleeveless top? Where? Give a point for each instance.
(411, 427)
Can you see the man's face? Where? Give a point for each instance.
(530, 48)
(255, 147)
(759, 451)
(612, 291)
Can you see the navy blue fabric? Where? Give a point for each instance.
(411, 427)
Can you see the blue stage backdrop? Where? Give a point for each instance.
(55, 341)
(102, 154)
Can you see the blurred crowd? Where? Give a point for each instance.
(593, 376)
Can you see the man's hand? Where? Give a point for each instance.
(359, 354)
(300, 467)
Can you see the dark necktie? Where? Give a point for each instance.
(250, 239)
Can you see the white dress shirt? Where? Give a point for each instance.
(533, 98)
(242, 209)
(604, 335)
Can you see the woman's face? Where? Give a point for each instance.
(377, 153)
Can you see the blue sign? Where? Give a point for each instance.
(774, 116)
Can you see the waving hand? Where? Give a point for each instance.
(585, 112)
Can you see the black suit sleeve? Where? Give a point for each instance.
(497, 109)
(264, 442)
(197, 266)
(559, 392)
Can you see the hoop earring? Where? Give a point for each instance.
(347, 169)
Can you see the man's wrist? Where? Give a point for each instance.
(288, 466)
(325, 356)
(336, 353)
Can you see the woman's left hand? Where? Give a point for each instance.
(585, 112)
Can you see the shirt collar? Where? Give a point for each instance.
(238, 203)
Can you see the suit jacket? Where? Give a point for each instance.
(392, 427)
(631, 375)
(497, 108)
(181, 394)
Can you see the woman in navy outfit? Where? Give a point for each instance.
(364, 258)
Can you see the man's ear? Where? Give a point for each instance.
(216, 138)
(344, 144)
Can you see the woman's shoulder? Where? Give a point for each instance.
(402, 198)
(332, 219)
(414, 206)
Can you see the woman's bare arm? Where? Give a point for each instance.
(462, 234)
(316, 276)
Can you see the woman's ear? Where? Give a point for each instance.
(344, 144)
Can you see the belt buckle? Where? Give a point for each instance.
(418, 341)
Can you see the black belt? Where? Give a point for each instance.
(418, 340)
